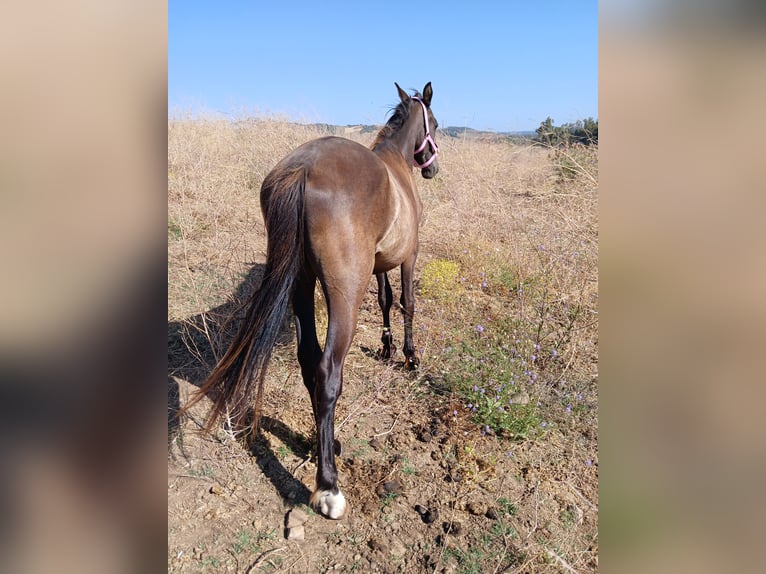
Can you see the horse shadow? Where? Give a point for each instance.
(194, 346)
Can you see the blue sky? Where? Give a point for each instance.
(502, 66)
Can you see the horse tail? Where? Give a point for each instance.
(244, 364)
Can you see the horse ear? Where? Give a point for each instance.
(428, 93)
(402, 94)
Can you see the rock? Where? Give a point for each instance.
(520, 398)
(296, 533)
(376, 444)
(296, 517)
(476, 508)
(435, 455)
(425, 436)
(389, 487)
(491, 513)
(216, 489)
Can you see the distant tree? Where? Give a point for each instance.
(546, 133)
(581, 131)
(590, 126)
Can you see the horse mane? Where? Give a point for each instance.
(399, 115)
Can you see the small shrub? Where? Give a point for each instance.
(439, 280)
(174, 229)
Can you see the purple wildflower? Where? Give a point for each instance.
(479, 328)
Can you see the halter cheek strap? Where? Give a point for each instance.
(427, 140)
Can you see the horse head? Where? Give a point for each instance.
(426, 150)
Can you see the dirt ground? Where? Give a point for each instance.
(428, 492)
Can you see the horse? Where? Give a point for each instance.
(337, 212)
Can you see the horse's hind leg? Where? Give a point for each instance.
(385, 300)
(342, 306)
(408, 309)
(309, 351)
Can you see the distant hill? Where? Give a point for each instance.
(452, 131)
(466, 132)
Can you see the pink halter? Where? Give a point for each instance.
(426, 140)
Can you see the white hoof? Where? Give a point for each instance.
(328, 504)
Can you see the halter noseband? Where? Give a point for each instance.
(426, 140)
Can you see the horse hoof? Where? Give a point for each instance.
(411, 363)
(329, 505)
(386, 352)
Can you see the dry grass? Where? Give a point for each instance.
(508, 216)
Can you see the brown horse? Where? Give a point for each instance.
(338, 212)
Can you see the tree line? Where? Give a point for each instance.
(582, 131)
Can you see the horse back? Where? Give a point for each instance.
(353, 196)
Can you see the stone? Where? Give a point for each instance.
(389, 487)
(520, 398)
(296, 517)
(216, 489)
(296, 533)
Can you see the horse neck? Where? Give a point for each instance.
(401, 140)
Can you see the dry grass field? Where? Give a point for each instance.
(484, 460)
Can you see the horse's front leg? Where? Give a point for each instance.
(385, 300)
(408, 309)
